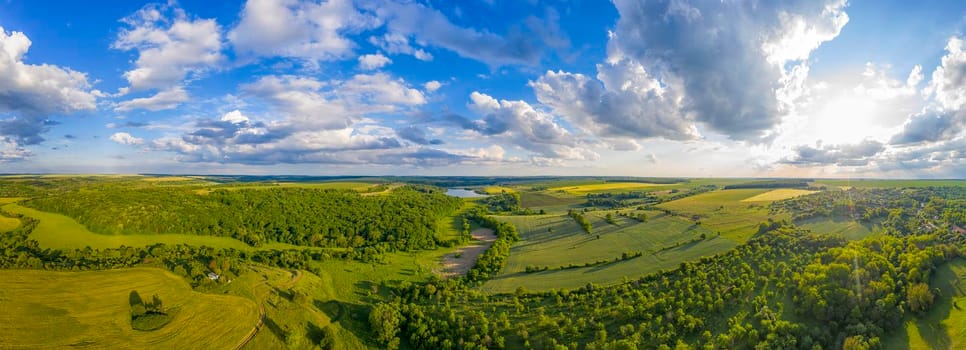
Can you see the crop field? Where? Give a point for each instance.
(44, 310)
(944, 326)
(610, 273)
(850, 229)
(336, 185)
(724, 212)
(498, 189)
(777, 195)
(548, 201)
(607, 187)
(569, 244)
(57, 231)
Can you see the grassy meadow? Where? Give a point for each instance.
(91, 309)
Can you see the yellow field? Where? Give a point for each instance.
(777, 195)
(45, 310)
(7, 200)
(8, 224)
(603, 187)
(498, 189)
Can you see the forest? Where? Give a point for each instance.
(404, 220)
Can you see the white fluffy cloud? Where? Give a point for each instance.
(166, 99)
(373, 61)
(432, 86)
(126, 139)
(673, 64)
(526, 127)
(945, 118)
(170, 46)
(303, 29)
(30, 94)
(311, 121)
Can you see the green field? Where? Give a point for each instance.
(551, 202)
(848, 228)
(43, 310)
(611, 273)
(944, 326)
(57, 231)
(724, 212)
(662, 239)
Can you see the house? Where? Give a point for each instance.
(213, 276)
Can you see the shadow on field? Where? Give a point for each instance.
(274, 327)
(331, 308)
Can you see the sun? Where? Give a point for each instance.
(846, 119)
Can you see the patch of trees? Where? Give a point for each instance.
(580, 219)
(405, 219)
(621, 199)
(503, 202)
(147, 315)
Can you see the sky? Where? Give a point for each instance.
(697, 88)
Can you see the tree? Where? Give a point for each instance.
(384, 320)
(919, 297)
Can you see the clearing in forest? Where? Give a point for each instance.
(777, 195)
(457, 264)
(91, 309)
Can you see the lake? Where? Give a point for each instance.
(463, 193)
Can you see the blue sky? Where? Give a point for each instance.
(485, 87)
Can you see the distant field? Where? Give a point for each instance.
(7, 200)
(891, 183)
(724, 212)
(606, 187)
(43, 310)
(549, 202)
(944, 326)
(342, 185)
(850, 229)
(498, 189)
(777, 195)
(61, 232)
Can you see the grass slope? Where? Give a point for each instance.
(944, 326)
(43, 310)
(57, 231)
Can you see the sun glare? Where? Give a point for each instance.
(846, 119)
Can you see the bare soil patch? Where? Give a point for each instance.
(459, 263)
